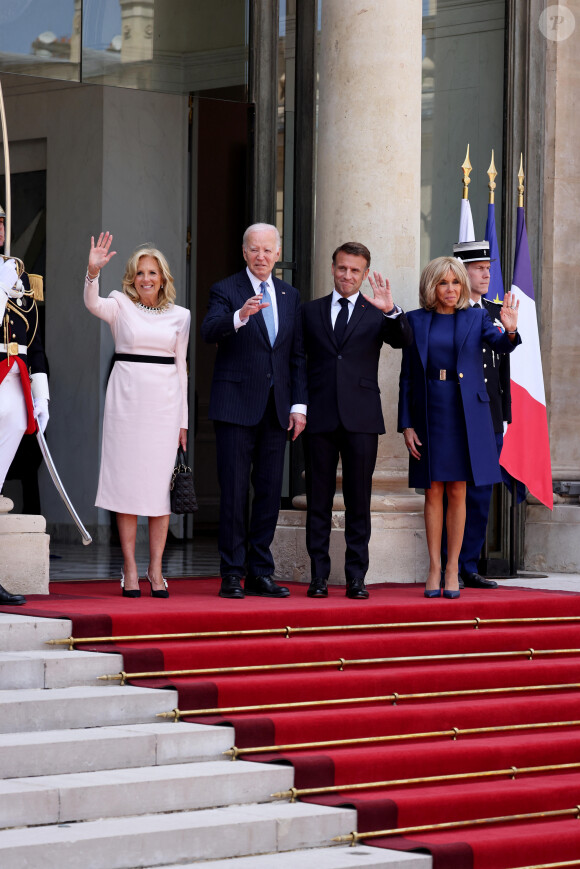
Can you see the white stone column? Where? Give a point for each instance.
(368, 187)
(551, 538)
(368, 174)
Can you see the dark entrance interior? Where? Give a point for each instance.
(222, 181)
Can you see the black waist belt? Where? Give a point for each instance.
(441, 373)
(136, 357)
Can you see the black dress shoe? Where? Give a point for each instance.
(474, 580)
(317, 588)
(356, 590)
(231, 587)
(264, 586)
(10, 599)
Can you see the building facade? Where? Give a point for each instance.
(180, 123)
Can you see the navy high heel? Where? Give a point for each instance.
(450, 594)
(128, 592)
(432, 592)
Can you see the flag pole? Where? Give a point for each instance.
(491, 174)
(8, 196)
(514, 536)
(521, 177)
(466, 231)
(467, 167)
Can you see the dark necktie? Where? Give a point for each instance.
(341, 321)
(477, 305)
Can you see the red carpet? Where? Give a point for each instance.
(448, 658)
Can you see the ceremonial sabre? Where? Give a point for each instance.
(39, 435)
(60, 488)
(8, 209)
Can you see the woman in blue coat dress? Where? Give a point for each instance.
(444, 406)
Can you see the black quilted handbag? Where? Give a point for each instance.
(181, 491)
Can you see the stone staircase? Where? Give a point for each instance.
(90, 777)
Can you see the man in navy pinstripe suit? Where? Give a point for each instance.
(258, 394)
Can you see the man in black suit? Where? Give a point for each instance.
(476, 258)
(343, 335)
(258, 394)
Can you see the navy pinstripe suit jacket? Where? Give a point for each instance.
(246, 363)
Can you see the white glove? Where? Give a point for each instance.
(41, 412)
(40, 396)
(8, 278)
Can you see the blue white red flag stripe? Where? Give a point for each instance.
(466, 230)
(526, 446)
(495, 292)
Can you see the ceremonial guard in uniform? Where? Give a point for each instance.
(496, 372)
(23, 380)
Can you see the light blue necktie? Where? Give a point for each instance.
(268, 313)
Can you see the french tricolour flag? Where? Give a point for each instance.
(526, 446)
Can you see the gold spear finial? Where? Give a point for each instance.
(467, 167)
(491, 173)
(521, 177)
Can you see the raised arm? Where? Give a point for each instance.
(99, 256)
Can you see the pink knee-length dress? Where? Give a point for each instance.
(145, 405)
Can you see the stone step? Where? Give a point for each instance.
(321, 858)
(60, 799)
(56, 669)
(158, 840)
(81, 706)
(20, 633)
(117, 747)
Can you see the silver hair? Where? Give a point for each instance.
(261, 227)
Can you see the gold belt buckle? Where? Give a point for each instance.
(442, 374)
(12, 349)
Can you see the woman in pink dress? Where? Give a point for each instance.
(146, 403)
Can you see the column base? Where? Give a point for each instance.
(398, 548)
(551, 537)
(24, 544)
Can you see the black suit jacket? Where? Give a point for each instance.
(246, 364)
(343, 383)
(496, 373)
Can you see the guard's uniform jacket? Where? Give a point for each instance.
(496, 373)
(20, 343)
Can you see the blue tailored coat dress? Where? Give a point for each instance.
(246, 364)
(473, 326)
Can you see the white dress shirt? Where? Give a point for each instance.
(335, 307)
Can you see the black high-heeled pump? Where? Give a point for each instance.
(162, 592)
(128, 592)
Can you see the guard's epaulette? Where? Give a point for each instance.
(37, 287)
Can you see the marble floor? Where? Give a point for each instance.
(199, 557)
(68, 561)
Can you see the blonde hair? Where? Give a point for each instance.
(434, 272)
(167, 292)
